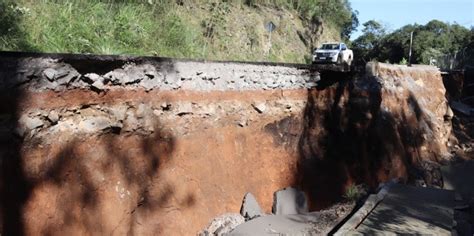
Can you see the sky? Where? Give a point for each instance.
(397, 13)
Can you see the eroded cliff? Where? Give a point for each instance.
(117, 145)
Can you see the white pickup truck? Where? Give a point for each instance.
(337, 53)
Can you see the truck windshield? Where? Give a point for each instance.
(330, 46)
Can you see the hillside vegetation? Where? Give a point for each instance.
(439, 43)
(206, 29)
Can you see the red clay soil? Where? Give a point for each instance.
(117, 184)
(174, 183)
(150, 184)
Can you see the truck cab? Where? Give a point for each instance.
(336, 53)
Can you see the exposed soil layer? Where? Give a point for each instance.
(162, 146)
(459, 90)
(157, 170)
(373, 129)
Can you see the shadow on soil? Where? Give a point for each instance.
(15, 189)
(460, 89)
(77, 181)
(348, 138)
(14, 186)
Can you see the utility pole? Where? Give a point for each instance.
(409, 53)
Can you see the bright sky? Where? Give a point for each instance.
(397, 13)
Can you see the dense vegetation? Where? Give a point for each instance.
(210, 29)
(81, 26)
(433, 42)
(338, 12)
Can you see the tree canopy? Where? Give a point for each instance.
(430, 41)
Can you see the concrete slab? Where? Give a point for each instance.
(279, 225)
(461, 107)
(288, 225)
(250, 208)
(411, 210)
(460, 178)
(312, 223)
(289, 201)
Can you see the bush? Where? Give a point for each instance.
(352, 193)
(403, 61)
(11, 34)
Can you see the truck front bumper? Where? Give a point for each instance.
(317, 59)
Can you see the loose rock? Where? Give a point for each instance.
(259, 107)
(118, 112)
(165, 106)
(184, 109)
(91, 78)
(242, 123)
(150, 83)
(98, 85)
(50, 74)
(31, 123)
(223, 224)
(94, 124)
(53, 117)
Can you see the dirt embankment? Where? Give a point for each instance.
(460, 93)
(149, 145)
(393, 122)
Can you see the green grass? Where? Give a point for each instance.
(157, 28)
(352, 193)
(80, 26)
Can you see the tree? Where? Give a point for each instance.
(350, 26)
(373, 32)
(364, 45)
(467, 51)
(430, 41)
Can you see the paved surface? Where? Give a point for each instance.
(460, 178)
(279, 225)
(411, 210)
(312, 223)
